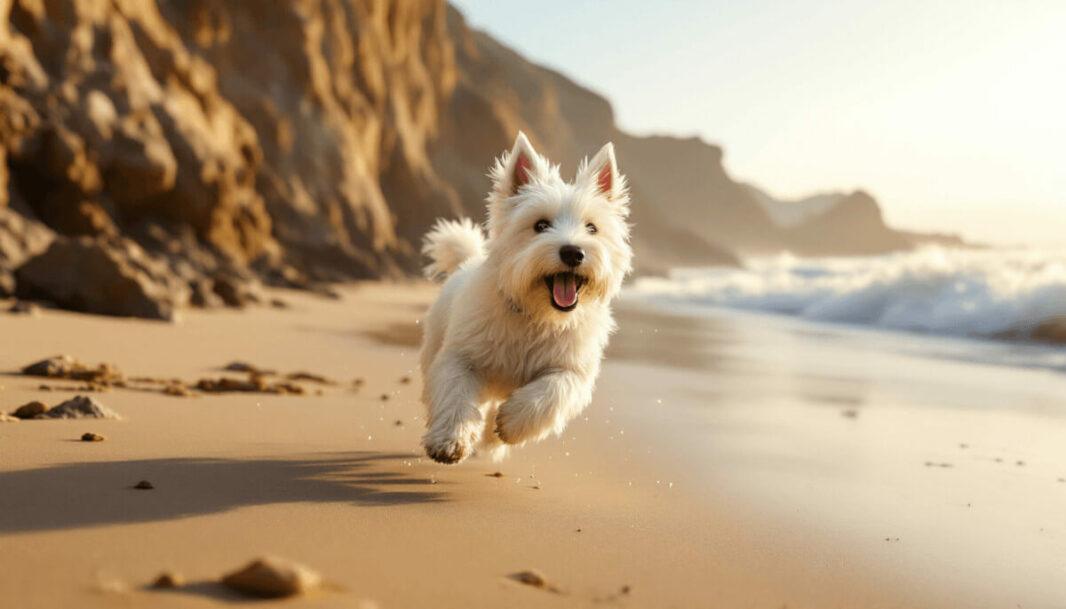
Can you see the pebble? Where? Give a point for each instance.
(271, 577)
(30, 410)
(534, 579)
(81, 407)
(144, 485)
(168, 580)
(91, 437)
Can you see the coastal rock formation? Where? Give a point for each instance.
(108, 277)
(223, 144)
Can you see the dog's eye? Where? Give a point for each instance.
(591, 228)
(542, 225)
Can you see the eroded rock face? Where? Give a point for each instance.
(113, 277)
(20, 238)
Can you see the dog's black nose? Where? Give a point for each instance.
(571, 255)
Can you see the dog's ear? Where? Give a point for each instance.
(517, 168)
(603, 171)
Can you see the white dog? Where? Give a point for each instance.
(513, 344)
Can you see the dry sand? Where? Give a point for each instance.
(731, 462)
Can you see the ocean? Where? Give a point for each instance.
(970, 294)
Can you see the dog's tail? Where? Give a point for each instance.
(451, 243)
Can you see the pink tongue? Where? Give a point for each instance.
(564, 290)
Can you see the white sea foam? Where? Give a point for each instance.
(935, 290)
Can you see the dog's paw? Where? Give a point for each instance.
(448, 452)
(449, 448)
(515, 426)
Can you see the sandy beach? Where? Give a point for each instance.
(728, 460)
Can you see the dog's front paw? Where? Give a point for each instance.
(448, 452)
(515, 425)
(449, 448)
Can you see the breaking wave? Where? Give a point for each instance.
(981, 293)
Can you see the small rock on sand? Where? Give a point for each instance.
(495, 475)
(55, 366)
(310, 377)
(30, 410)
(80, 407)
(239, 366)
(144, 485)
(168, 580)
(91, 437)
(405, 380)
(177, 390)
(66, 367)
(271, 577)
(534, 579)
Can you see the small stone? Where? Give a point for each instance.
(55, 366)
(144, 485)
(405, 380)
(310, 377)
(534, 579)
(168, 580)
(278, 303)
(81, 407)
(177, 390)
(272, 578)
(495, 475)
(30, 410)
(359, 382)
(91, 437)
(398, 423)
(239, 366)
(384, 397)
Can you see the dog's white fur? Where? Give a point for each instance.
(501, 365)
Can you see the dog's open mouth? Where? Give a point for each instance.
(564, 288)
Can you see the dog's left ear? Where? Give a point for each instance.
(603, 170)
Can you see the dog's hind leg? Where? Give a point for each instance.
(455, 420)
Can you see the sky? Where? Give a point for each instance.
(952, 113)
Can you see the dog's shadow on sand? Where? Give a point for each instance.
(75, 495)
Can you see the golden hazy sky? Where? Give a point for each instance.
(952, 113)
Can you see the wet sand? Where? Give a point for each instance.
(730, 461)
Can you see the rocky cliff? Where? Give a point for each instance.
(178, 152)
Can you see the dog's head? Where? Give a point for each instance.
(558, 246)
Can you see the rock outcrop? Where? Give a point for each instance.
(216, 144)
(114, 277)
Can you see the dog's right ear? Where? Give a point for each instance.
(517, 168)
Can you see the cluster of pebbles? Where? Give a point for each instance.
(104, 377)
